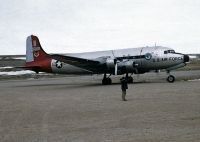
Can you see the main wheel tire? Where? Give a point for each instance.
(109, 81)
(170, 78)
(106, 81)
(130, 79)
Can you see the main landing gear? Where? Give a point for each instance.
(106, 80)
(170, 78)
(129, 78)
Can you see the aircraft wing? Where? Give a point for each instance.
(88, 64)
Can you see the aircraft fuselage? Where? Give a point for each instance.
(133, 60)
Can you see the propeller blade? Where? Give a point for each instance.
(116, 69)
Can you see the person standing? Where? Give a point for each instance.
(124, 86)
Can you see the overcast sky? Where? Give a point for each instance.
(65, 26)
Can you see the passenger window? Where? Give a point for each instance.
(165, 52)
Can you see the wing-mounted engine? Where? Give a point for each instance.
(110, 64)
(129, 66)
(118, 67)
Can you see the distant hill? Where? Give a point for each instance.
(12, 56)
(197, 55)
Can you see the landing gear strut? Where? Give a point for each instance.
(170, 78)
(106, 80)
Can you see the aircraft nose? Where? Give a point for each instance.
(186, 58)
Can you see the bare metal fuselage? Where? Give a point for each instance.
(137, 56)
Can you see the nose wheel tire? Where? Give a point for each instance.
(170, 78)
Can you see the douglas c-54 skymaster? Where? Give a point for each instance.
(112, 62)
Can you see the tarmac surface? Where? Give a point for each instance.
(80, 109)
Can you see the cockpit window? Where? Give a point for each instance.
(169, 51)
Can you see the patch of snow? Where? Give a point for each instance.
(7, 67)
(21, 58)
(194, 80)
(17, 72)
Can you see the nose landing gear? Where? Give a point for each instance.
(170, 78)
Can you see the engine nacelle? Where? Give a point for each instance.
(127, 66)
(110, 63)
(122, 67)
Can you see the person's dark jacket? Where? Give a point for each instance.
(124, 84)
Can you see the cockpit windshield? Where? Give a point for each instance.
(169, 51)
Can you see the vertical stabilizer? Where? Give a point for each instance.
(36, 58)
(34, 51)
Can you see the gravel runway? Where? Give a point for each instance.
(80, 109)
